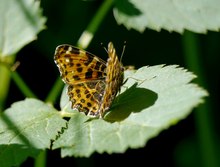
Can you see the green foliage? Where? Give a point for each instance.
(152, 99)
(27, 127)
(196, 16)
(21, 20)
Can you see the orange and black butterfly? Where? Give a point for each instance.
(92, 82)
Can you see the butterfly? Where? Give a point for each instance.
(92, 83)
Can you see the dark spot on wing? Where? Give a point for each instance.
(86, 91)
(103, 68)
(75, 51)
(99, 74)
(67, 56)
(89, 60)
(89, 104)
(88, 75)
(88, 96)
(65, 47)
(70, 87)
(77, 91)
(89, 70)
(76, 77)
(97, 66)
(82, 101)
(71, 64)
(79, 69)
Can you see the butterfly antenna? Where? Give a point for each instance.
(104, 47)
(122, 54)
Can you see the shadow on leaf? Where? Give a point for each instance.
(134, 100)
(15, 154)
(127, 8)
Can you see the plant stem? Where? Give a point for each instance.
(88, 34)
(4, 85)
(5, 73)
(41, 159)
(205, 130)
(5, 78)
(55, 91)
(22, 85)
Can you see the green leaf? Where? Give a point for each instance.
(20, 21)
(197, 16)
(152, 99)
(26, 128)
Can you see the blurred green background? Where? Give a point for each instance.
(181, 145)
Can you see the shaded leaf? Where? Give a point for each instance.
(21, 20)
(152, 99)
(197, 16)
(27, 127)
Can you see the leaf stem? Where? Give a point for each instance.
(22, 85)
(88, 34)
(205, 130)
(5, 62)
(4, 85)
(41, 159)
(55, 91)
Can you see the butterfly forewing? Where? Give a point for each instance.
(77, 65)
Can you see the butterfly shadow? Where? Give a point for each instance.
(133, 100)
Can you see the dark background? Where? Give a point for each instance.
(66, 20)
